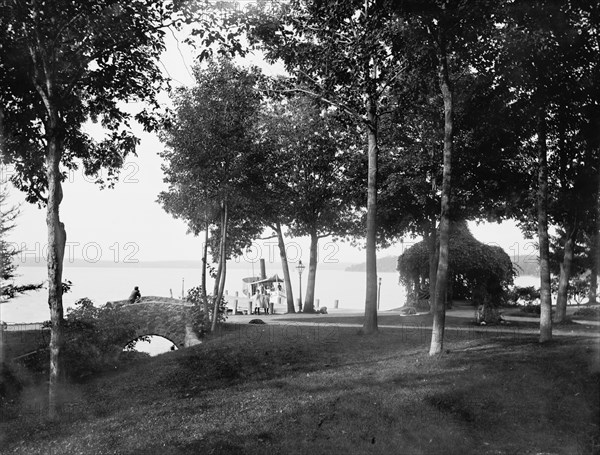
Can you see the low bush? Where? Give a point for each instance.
(422, 305)
(10, 383)
(201, 323)
(94, 338)
(531, 309)
(591, 312)
(524, 295)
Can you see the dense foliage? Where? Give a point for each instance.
(9, 252)
(95, 338)
(200, 320)
(478, 271)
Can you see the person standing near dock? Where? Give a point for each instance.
(257, 301)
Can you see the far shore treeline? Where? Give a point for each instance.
(525, 265)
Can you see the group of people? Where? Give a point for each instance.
(262, 299)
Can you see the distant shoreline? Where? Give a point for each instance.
(232, 264)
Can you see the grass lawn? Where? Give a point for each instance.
(267, 389)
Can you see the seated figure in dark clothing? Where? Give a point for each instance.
(135, 296)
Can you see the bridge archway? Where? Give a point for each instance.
(155, 345)
(160, 316)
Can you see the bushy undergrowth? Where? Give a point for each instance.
(532, 309)
(94, 338)
(524, 295)
(200, 322)
(591, 312)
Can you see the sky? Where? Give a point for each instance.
(126, 224)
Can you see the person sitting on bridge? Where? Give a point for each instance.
(135, 296)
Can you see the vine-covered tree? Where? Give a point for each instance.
(478, 271)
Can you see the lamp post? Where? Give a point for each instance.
(378, 293)
(300, 267)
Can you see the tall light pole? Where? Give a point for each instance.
(300, 267)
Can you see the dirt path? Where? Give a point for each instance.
(339, 319)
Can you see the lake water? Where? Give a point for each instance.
(103, 284)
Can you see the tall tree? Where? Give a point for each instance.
(344, 54)
(548, 53)
(311, 147)
(455, 31)
(210, 148)
(65, 63)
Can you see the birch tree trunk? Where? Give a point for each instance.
(441, 282)
(56, 248)
(433, 264)
(595, 253)
(563, 281)
(222, 272)
(544, 244)
(286, 269)
(309, 299)
(205, 308)
(594, 249)
(370, 322)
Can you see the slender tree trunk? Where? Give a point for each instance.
(441, 282)
(286, 269)
(434, 253)
(563, 281)
(220, 282)
(370, 322)
(56, 248)
(309, 299)
(544, 243)
(205, 307)
(2, 138)
(220, 266)
(594, 248)
(595, 252)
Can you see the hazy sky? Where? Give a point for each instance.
(126, 223)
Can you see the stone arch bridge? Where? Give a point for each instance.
(161, 316)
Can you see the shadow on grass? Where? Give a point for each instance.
(273, 389)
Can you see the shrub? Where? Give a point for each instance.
(200, 323)
(531, 308)
(323, 310)
(588, 312)
(94, 337)
(524, 295)
(10, 383)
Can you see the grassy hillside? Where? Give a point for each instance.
(297, 389)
